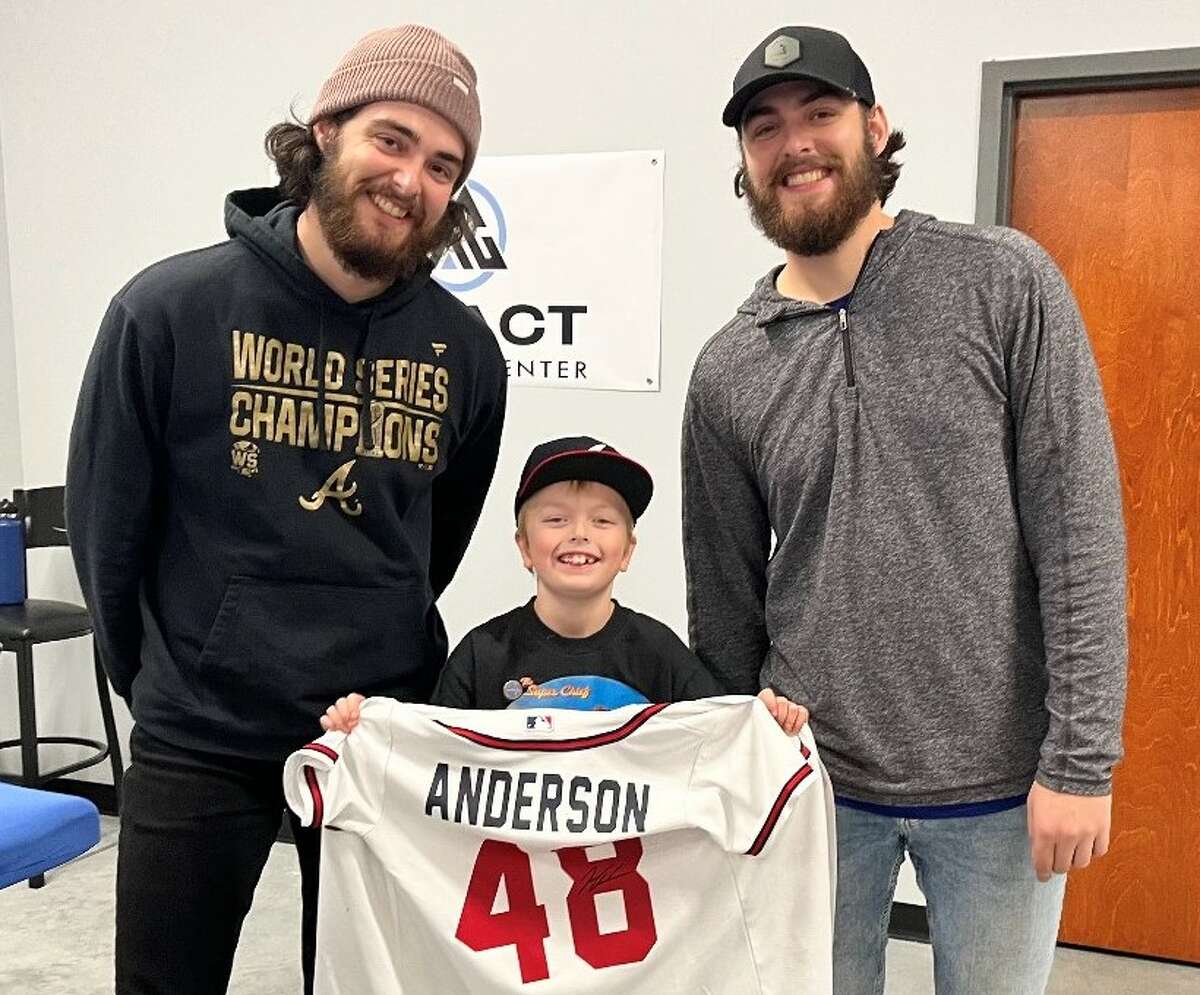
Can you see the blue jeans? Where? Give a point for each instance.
(992, 924)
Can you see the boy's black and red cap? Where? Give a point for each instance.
(580, 457)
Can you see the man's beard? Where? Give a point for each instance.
(369, 257)
(817, 230)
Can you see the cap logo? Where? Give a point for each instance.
(461, 84)
(781, 51)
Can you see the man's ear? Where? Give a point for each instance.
(878, 128)
(323, 132)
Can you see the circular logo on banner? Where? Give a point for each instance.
(475, 258)
(585, 693)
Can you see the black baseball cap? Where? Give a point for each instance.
(580, 457)
(798, 53)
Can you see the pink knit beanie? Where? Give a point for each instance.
(410, 63)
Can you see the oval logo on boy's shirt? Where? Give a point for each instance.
(585, 692)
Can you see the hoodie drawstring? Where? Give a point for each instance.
(364, 383)
(366, 439)
(322, 368)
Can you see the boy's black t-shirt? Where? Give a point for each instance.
(517, 648)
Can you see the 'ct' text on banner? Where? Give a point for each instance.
(565, 266)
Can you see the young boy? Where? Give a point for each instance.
(575, 508)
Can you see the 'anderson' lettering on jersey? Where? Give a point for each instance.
(531, 800)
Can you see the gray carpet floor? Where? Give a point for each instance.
(58, 941)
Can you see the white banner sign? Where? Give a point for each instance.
(565, 266)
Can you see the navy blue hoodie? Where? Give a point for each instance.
(268, 487)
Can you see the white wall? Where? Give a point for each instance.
(10, 427)
(10, 454)
(125, 124)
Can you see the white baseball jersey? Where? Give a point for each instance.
(683, 848)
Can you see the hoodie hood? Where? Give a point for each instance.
(266, 223)
(766, 305)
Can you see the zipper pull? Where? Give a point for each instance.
(847, 355)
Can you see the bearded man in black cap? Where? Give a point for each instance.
(901, 509)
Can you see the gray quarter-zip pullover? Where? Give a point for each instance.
(906, 515)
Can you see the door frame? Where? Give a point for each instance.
(1004, 82)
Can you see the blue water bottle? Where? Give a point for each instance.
(12, 554)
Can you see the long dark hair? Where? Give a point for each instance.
(292, 146)
(887, 170)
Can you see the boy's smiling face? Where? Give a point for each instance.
(576, 536)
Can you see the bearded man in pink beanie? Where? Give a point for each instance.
(280, 451)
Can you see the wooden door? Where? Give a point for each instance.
(1109, 183)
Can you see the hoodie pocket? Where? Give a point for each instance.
(294, 647)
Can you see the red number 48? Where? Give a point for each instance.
(524, 925)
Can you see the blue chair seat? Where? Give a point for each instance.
(41, 829)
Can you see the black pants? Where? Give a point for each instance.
(196, 829)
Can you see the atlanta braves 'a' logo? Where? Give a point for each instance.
(336, 488)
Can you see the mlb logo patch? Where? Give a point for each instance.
(541, 723)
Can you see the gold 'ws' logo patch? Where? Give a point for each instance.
(339, 488)
(243, 458)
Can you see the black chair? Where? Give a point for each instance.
(25, 625)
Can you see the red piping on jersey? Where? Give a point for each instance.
(765, 833)
(328, 751)
(310, 776)
(559, 745)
